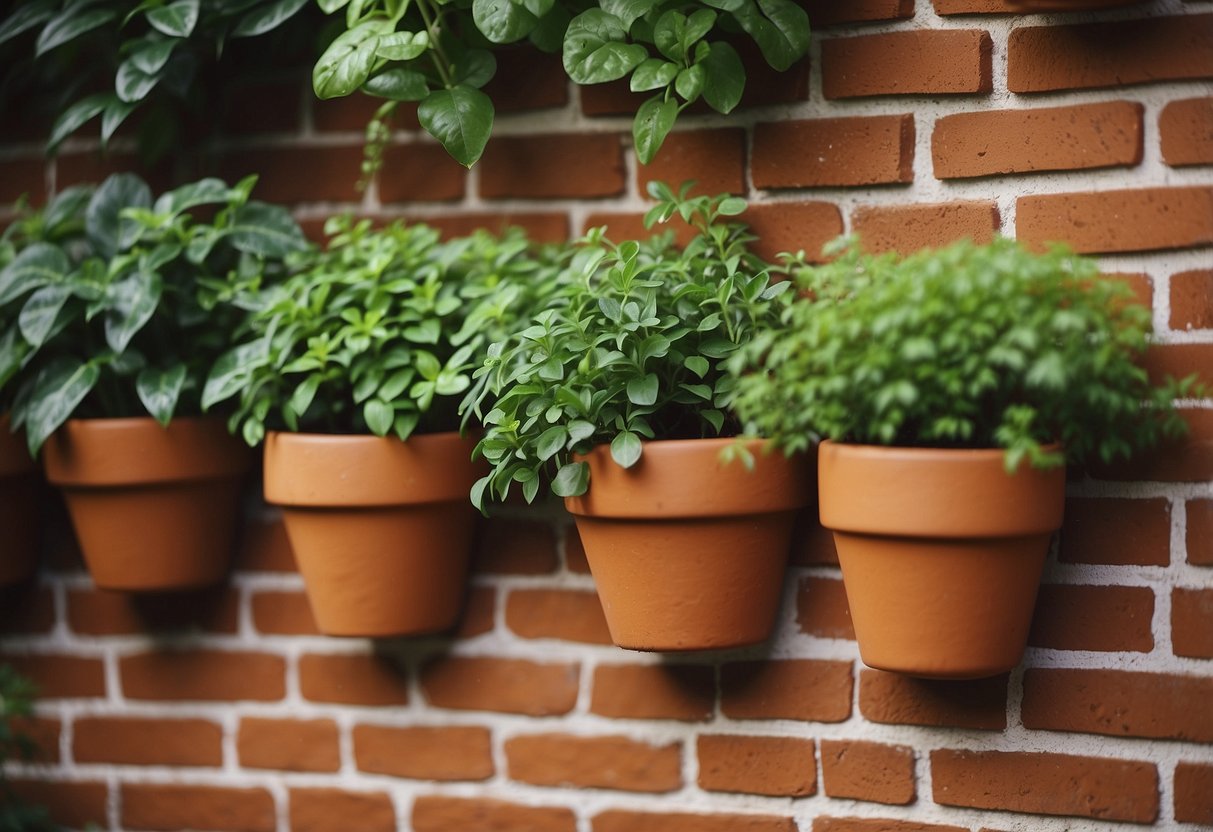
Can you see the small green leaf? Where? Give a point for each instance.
(177, 20)
(626, 448)
(398, 85)
(503, 21)
(58, 390)
(348, 61)
(302, 398)
(628, 10)
(689, 83)
(595, 48)
(551, 442)
(571, 480)
(643, 391)
(265, 230)
(266, 17)
(379, 416)
(38, 315)
(37, 266)
(132, 302)
(78, 20)
(403, 46)
(697, 364)
(108, 231)
(159, 390)
(653, 74)
(75, 117)
(654, 119)
(461, 119)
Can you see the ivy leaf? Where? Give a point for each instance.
(132, 302)
(398, 85)
(265, 230)
(461, 119)
(595, 48)
(177, 20)
(58, 390)
(503, 21)
(724, 78)
(643, 391)
(348, 61)
(159, 390)
(77, 21)
(571, 480)
(626, 448)
(266, 18)
(653, 122)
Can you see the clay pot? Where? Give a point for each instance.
(381, 529)
(154, 508)
(688, 553)
(941, 553)
(19, 508)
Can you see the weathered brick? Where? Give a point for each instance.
(611, 762)
(545, 167)
(908, 228)
(508, 685)
(289, 744)
(821, 609)
(1185, 130)
(1116, 532)
(856, 151)
(334, 810)
(814, 690)
(868, 771)
(1099, 618)
(901, 700)
(792, 226)
(97, 612)
(1192, 300)
(1194, 793)
(283, 614)
(171, 807)
(1192, 622)
(420, 172)
(527, 79)
(621, 820)
(773, 766)
(203, 675)
(138, 741)
(919, 62)
(1200, 532)
(332, 172)
(568, 614)
(714, 159)
(446, 814)
(421, 752)
(353, 680)
(60, 677)
(1140, 219)
(825, 824)
(515, 547)
(75, 804)
(660, 691)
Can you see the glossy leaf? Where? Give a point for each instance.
(265, 230)
(176, 19)
(652, 124)
(267, 17)
(37, 266)
(160, 389)
(108, 231)
(595, 50)
(398, 85)
(132, 302)
(76, 21)
(461, 119)
(57, 392)
(348, 61)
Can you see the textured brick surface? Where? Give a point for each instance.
(634, 691)
(333, 810)
(774, 766)
(1116, 532)
(868, 771)
(352, 680)
(173, 807)
(623, 821)
(586, 165)
(1186, 132)
(1192, 622)
(594, 762)
(571, 615)
(203, 675)
(954, 62)
(890, 698)
(1118, 221)
(509, 685)
(425, 752)
(821, 609)
(811, 690)
(841, 151)
(170, 742)
(1194, 793)
(444, 814)
(714, 159)
(1107, 618)
(1192, 299)
(909, 228)
(289, 744)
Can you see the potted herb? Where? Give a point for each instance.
(949, 388)
(114, 339)
(618, 392)
(352, 371)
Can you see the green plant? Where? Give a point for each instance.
(16, 704)
(633, 346)
(968, 346)
(378, 334)
(129, 316)
(437, 52)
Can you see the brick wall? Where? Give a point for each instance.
(911, 124)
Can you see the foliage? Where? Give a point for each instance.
(435, 52)
(153, 48)
(124, 311)
(378, 334)
(633, 346)
(16, 703)
(967, 346)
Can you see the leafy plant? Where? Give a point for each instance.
(436, 53)
(967, 346)
(127, 317)
(632, 347)
(152, 47)
(378, 334)
(16, 703)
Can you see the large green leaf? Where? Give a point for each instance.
(27, 17)
(39, 313)
(571, 480)
(70, 25)
(108, 231)
(724, 81)
(75, 117)
(628, 10)
(132, 301)
(398, 85)
(37, 266)
(626, 448)
(13, 350)
(503, 21)
(58, 391)
(177, 20)
(461, 118)
(595, 48)
(232, 370)
(267, 17)
(265, 230)
(66, 208)
(779, 27)
(348, 61)
(138, 75)
(209, 191)
(653, 122)
(159, 390)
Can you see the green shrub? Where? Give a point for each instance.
(16, 703)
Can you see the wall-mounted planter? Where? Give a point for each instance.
(154, 508)
(689, 553)
(941, 553)
(18, 508)
(381, 529)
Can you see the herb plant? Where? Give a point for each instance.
(378, 334)
(969, 346)
(127, 318)
(633, 346)
(16, 703)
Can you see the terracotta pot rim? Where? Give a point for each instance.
(912, 453)
(302, 437)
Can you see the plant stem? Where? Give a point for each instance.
(432, 25)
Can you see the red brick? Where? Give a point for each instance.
(1043, 139)
(824, 824)
(919, 62)
(1200, 532)
(60, 677)
(96, 612)
(508, 685)
(332, 810)
(821, 609)
(331, 172)
(172, 807)
(131, 741)
(1189, 459)
(1144, 219)
(856, 151)
(74, 804)
(1116, 532)
(1192, 622)
(1179, 361)
(654, 691)
(622, 227)
(901, 700)
(1186, 131)
(93, 167)
(620, 820)
(868, 771)
(265, 548)
(353, 680)
(425, 753)
(568, 614)
(908, 228)
(527, 79)
(540, 227)
(833, 13)
(574, 552)
(773, 766)
(515, 547)
(420, 172)
(1110, 54)
(1046, 784)
(283, 613)
(714, 159)
(352, 113)
(1098, 618)
(1139, 284)
(260, 105)
(478, 612)
(26, 609)
(1119, 703)
(289, 744)
(793, 226)
(594, 763)
(1192, 300)
(23, 177)
(544, 167)
(1194, 793)
(812, 543)
(203, 675)
(814, 690)
(447, 814)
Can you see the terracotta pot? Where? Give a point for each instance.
(19, 508)
(381, 529)
(689, 553)
(941, 553)
(154, 508)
